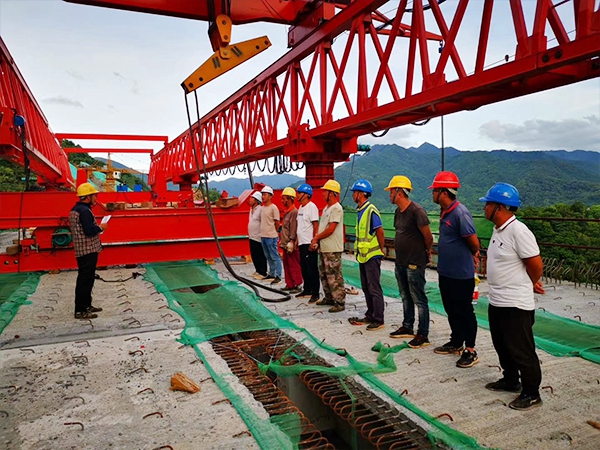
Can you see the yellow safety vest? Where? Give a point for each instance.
(366, 245)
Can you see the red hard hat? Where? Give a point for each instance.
(445, 180)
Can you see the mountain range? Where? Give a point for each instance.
(543, 178)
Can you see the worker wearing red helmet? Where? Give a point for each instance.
(458, 253)
(86, 240)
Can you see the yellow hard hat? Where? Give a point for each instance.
(290, 192)
(332, 186)
(85, 189)
(399, 181)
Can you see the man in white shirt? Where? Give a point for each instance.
(256, 251)
(308, 227)
(330, 242)
(514, 268)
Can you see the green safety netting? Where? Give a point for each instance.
(14, 290)
(230, 308)
(554, 334)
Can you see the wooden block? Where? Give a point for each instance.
(228, 202)
(210, 262)
(13, 249)
(147, 205)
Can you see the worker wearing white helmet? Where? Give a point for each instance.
(269, 224)
(256, 251)
(86, 240)
(288, 241)
(330, 243)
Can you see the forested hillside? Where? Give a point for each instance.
(543, 177)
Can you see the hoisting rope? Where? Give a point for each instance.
(203, 181)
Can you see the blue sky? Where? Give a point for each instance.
(97, 70)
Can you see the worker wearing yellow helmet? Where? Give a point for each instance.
(288, 241)
(86, 240)
(412, 243)
(330, 243)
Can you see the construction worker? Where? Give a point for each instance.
(86, 240)
(514, 269)
(369, 250)
(412, 243)
(458, 256)
(269, 224)
(256, 251)
(330, 243)
(308, 227)
(288, 241)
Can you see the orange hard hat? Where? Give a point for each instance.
(445, 180)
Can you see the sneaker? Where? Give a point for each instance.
(337, 308)
(419, 341)
(525, 401)
(275, 280)
(268, 278)
(313, 299)
(93, 309)
(374, 326)
(85, 315)
(359, 321)
(303, 295)
(295, 290)
(288, 289)
(467, 359)
(449, 349)
(324, 302)
(503, 385)
(258, 276)
(402, 332)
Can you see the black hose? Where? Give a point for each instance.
(208, 207)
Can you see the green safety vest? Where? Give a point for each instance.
(366, 245)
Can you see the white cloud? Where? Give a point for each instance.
(61, 100)
(567, 134)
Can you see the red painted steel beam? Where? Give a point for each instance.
(33, 141)
(112, 137)
(240, 11)
(318, 97)
(109, 150)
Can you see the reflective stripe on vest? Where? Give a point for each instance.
(366, 245)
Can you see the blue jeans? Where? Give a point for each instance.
(270, 248)
(412, 289)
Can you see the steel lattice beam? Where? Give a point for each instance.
(313, 102)
(31, 143)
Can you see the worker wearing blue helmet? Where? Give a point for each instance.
(369, 250)
(514, 269)
(308, 227)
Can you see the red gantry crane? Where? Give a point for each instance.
(354, 67)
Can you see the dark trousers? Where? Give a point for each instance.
(457, 296)
(370, 276)
(258, 257)
(86, 275)
(512, 336)
(309, 265)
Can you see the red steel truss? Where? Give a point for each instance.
(313, 102)
(32, 141)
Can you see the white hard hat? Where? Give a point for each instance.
(267, 190)
(257, 196)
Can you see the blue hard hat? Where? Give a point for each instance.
(305, 189)
(503, 193)
(362, 186)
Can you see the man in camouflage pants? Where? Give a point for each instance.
(330, 243)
